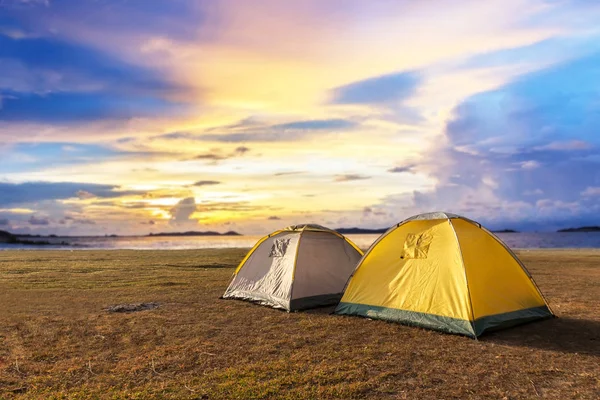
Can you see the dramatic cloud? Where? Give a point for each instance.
(517, 151)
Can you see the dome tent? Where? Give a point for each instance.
(299, 267)
(445, 272)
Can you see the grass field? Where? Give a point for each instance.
(58, 341)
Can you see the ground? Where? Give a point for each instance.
(58, 341)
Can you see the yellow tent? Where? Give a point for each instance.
(444, 272)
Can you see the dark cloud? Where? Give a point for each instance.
(206, 183)
(4, 221)
(84, 221)
(377, 90)
(404, 168)
(288, 173)
(274, 218)
(211, 157)
(216, 155)
(19, 193)
(77, 220)
(350, 177)
(241, 150)
(182, 211)
(33, 220)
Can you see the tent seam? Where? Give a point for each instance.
(462, 259)
(294, 270)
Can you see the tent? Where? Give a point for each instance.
(445, 272)
(299, 267)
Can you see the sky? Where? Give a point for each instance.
(130, 117)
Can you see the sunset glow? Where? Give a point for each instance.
(249, 116)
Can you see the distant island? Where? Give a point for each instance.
(364, 231)
(9, 238)
(195, 233)
(581, 229)
(359, 231)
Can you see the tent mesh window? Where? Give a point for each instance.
(279, 247)
(417, 245)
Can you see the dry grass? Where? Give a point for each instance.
(57, 341)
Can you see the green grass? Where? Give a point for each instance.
(57, 341)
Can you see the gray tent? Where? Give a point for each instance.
(299, 267)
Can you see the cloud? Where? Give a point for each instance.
(78, 220)
(316, 125)
(27, 192)
(33, 220)
(381, 89)
(534, 192)
(241, 150)
(206, 183)
(591, 191)
(350, 177)
(50, 80)
(530, 164)
(506, 148)
(216, 155)
(274, 218)
(569, 145)
(182, 211)
(82, 194)
(257, 132)
(59, 107)
(3, 221)
(402, 168)
(211, 157)
(288, 173)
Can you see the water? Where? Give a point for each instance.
(513, 240)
